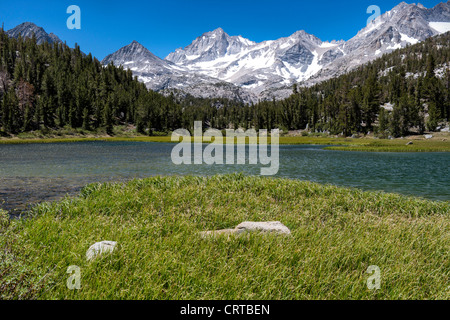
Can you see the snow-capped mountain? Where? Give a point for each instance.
(270, 68)
(239, 67)
(404, 25)
(219, 65)
(27, 29)
(210, 46)
(251, 65)
(149, 68)
(163, 75)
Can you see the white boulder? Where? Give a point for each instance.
(248, 226)
(100, 248)
(274, 226)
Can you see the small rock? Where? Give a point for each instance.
(100, 248)
(428, 136)
(409, 143)
(225, 232)
(274, 226)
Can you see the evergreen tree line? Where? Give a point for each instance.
(53, 86)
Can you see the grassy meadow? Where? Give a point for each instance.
(337, 233)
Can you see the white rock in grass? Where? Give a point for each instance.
(100, 248)
(274, 226)
(225, 232)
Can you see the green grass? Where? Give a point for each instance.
(441, 144)
(398, 145)
(336, 234)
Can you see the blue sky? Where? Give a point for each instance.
(163, 26)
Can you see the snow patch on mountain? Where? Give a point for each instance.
(441, 27)
(408, 39)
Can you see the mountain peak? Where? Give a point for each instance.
(28, 25)
(27, 29)
(403, 4)
(300, 33)
(132, 52)
(303, 34)
(218, 30)
(401, 7)
(136, 45)
(304, 37)
(134, 42)
(215, 34)
(421, 6)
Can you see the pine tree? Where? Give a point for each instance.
(371, 101)
(107, 116)
(28, 118)
(86, 120)
(139, 125)
(433, 117)
(383, 121)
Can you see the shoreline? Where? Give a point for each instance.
(26, 208)
(439, 143)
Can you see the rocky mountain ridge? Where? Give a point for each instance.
(219, 65)
(270, 68)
